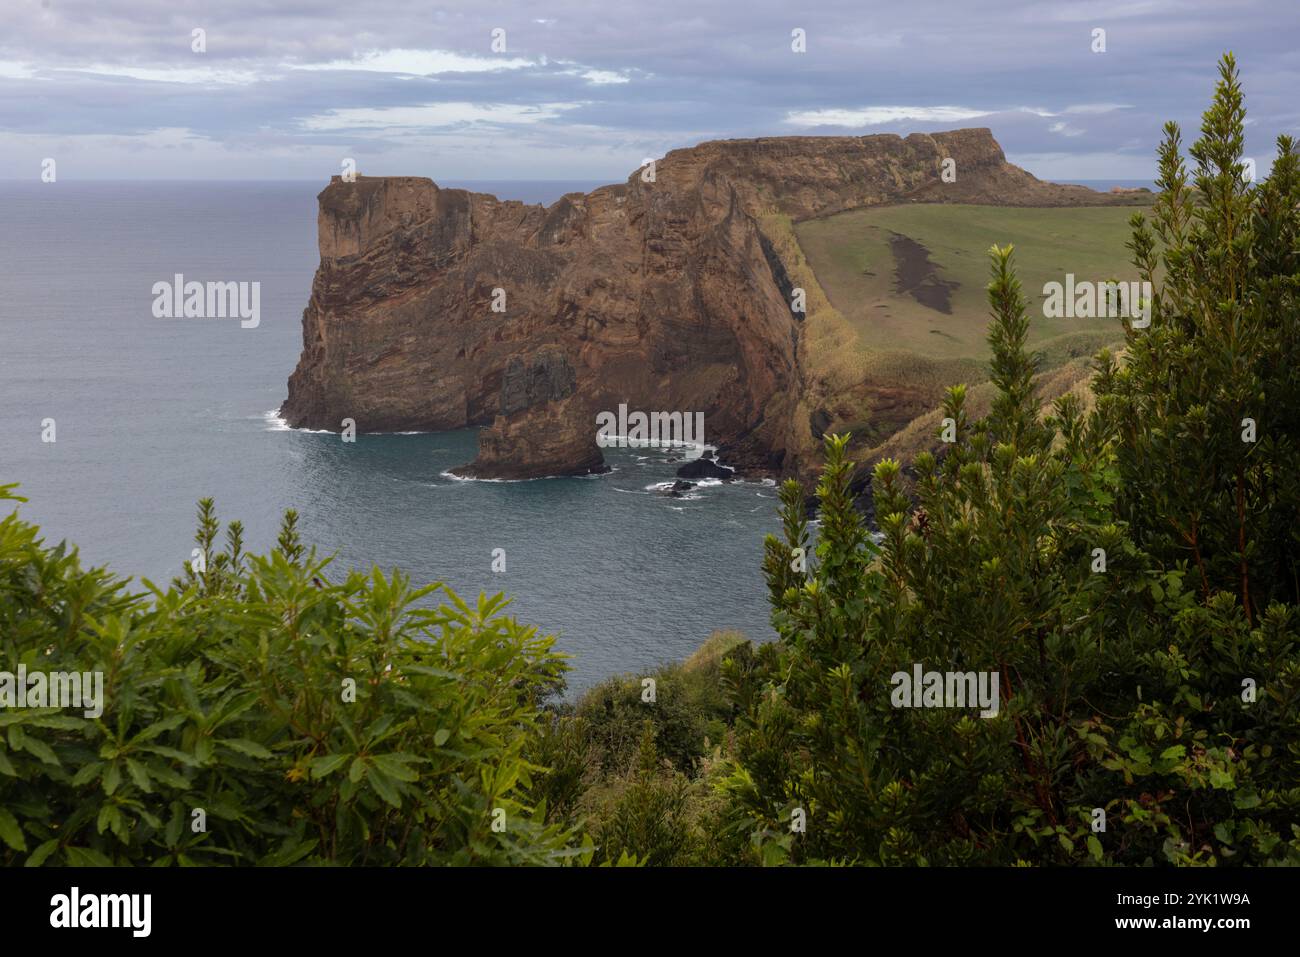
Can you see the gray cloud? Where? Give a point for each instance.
(586, 90)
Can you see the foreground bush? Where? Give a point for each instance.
(638, 773)
(257, 712)
(690, 711)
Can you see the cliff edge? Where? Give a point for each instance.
(437, 309)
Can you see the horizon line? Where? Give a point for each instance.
(449, 179)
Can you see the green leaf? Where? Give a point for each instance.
(327, 764)
(289, 854)
(165, 775)
(112, 778)
(87, 857)
(250, 748)
(383, 786)
(149, 818)
(172, 834)
(158, 727)
(59, 722)
(357, 771)
(42, 853)
(39, 749)
(1094, 847)
(139, 776)
(88, 773)
(432, 672)
(440, 738)
(172, 753)
(394, 768)
(10, 832)
(110, 817)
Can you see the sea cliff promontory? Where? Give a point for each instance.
(436, 309)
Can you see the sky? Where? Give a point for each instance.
(534, 89)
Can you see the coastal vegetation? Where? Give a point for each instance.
(1125, 562)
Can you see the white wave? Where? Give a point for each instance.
(275, 423)
(668, 487)
(469, 478)
(539, 478)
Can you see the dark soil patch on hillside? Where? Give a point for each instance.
(916, 276)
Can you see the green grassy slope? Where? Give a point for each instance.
(856, 265)
(881, 355)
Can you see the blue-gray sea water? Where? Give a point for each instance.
(152, 414)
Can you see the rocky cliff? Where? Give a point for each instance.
(437, 309)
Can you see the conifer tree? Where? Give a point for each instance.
(1128, 572)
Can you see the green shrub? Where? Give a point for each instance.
(297, 719)
(1129, 575)
(648, 817)
(562, 752)
(690, 710)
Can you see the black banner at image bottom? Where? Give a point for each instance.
(329, 906)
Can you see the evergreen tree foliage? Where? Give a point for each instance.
(1128, 571)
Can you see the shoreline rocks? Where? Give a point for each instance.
(705, 468)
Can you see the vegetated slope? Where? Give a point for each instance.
(905, 285)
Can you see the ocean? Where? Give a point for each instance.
(1106, 185)
(152, 414)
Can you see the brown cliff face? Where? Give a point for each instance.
(663, 295)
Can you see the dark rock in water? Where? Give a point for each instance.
(705, 468)
(707, 454)
(564, 447)
(677, 488)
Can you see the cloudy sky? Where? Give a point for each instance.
(286, 89)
